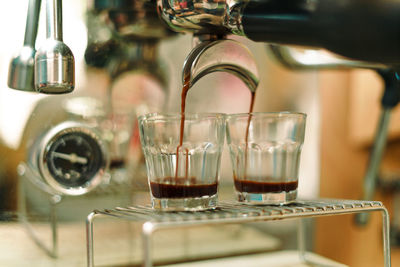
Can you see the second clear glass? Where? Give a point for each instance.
(265, 153)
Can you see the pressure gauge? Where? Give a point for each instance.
(72, 158)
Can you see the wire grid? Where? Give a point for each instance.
(234, 212)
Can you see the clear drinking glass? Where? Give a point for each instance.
(183, 177)
(265, 155)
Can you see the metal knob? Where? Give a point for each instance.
(21, 69)
(54, 61)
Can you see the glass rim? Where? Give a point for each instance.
(177, 115)
(275, 114)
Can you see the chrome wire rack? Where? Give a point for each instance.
(235, 213)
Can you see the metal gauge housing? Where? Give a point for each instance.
(72, 158)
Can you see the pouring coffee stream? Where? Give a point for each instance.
(216, 55)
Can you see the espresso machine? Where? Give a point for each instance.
(123, 37)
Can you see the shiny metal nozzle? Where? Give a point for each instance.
(54, 68)
(54, 61)
(21, 70)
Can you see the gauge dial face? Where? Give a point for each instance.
(73, 160)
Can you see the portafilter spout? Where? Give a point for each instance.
(221, 55)
(54, 61)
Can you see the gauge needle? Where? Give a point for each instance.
(71, 157)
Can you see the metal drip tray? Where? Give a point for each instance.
(235, 213)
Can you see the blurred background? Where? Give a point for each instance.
(342, 108)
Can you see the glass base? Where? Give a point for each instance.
(280, 198)
(185, 204)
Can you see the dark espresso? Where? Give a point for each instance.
(185, 89)
(264, 187)
(181, 187)
(253, 97)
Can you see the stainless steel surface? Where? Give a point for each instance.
(54, 61)
(315, 59)
(230, 213)
(195, 16)
(21, 70)
(233, 18)
(221, 55)
(203, 16)
(54, 19)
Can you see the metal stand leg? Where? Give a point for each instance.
(386, 237)
(89, 239)
(301, 240)
(301, 237)
(53, 222)
(147, 231)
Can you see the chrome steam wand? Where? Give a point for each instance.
(54, 61)
(21, 71)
